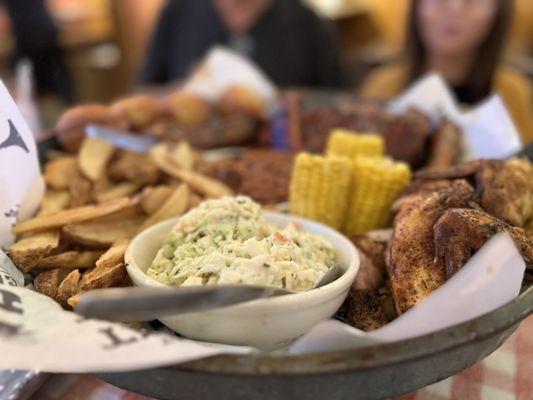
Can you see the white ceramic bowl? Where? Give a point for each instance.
(267, 323)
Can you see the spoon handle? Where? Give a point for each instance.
(146, 304)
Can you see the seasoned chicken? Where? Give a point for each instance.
(417, 191)
(369, 304)
(463, 170)
(414, 271)
(372, 267)
(461, 232)
(503, 188)
(364, 309)
(507, 191)
(407, 138)
(446, 146)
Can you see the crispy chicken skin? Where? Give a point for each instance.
(365, 310)
(503, 188)
(417, 191)
(463, 170)
(407, 138)
(460, 232)
(371, 273)
(414, 270)
(446, 146)
(368, 305)
(507, 191)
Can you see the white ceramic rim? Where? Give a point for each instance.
(292, 301)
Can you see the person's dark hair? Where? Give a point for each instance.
(479, 80)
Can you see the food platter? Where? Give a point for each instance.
(375, 372)
(404, 246)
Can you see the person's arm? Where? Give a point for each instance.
(155, 68)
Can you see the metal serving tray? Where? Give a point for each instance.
(371, 373)
(374, 372)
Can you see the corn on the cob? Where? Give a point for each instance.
(343, 142)
(319, 188)
(376, 182)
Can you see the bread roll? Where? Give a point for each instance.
(139, 111)
(188, 109)
(70, 128)
(240, 99)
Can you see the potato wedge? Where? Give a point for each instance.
(101, 185)
(47, 282)
(87, 274)
(30, 250)
(59, 172)
(184, 155)
(114, 255)
(198, 182)
(174, 206)
(70, 260)
(93, 157)
(131, 212)
(73, 301)
(70, 216)
(54, 201)
(152, 198)
(101, 233)
(68, 288)
(119, 190)
(136, 168)
(80, 191)
(105, 278)
(54, 154)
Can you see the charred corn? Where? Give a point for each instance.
(343, 142)
(319, 188)
(376, 182)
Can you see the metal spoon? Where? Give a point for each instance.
(146, 304)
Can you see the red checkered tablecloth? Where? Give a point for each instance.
(507, 374)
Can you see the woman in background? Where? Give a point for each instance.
(463, 41)
(291, 44)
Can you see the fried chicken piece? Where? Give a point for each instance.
(504, 188)
(445, 146)
(418, 190)
(463, 170)
(368, 305)
(364, 310)
(414, 271)
(406, 137)
(461, 232)
(507, 191)
(372, 267)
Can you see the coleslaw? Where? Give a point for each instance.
(229, 241)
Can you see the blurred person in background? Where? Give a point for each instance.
(291, 44)
(36, 39)
(463, 41)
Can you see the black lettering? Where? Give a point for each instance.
(8, 302)
(165, 339)
(7, 280)
(116, 341)
(8, 329)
